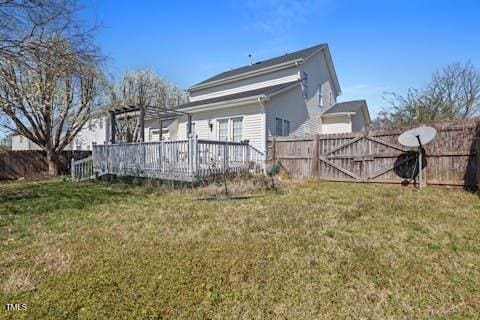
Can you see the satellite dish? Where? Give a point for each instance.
(417, 137)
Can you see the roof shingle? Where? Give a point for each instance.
(301, 54)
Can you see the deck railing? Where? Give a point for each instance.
(82, 169)
(182, 160)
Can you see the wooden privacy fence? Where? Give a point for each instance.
(179, 160)
(453, 157)
(33, 163)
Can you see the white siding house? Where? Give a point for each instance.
(291, 95)
(94, 131)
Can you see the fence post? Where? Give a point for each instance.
(274, 151)
(315, 156)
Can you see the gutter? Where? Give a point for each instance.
(225, 104)
(337, 114)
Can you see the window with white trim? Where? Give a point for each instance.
(154, 135)
(237, 128)
(282, 127)
(223, 129)
(286, 127)
(278, 127)
(304, 77)
(320, 96)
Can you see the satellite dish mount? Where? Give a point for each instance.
(417, 137)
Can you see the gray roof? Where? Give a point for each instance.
(245, 94)
(347, 106)
(302, 54)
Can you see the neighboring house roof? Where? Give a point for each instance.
(348, 107)
(297, 56)
(265, 92)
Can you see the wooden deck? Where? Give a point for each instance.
(188, 160)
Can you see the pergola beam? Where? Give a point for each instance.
(147, 113)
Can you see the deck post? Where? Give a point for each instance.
(189, 126)
(72, 169)
(162, 156)
(190, 156)
(225, 156)
(112, 127)
(142, 123)
(247, 153)
(194, 155)
(161, 130)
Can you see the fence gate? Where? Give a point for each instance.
(453, 157)
(359, 158)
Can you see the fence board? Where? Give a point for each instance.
(33, 163)
(453, 157)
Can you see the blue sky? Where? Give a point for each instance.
(377, 46)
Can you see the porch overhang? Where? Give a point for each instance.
(145, 113)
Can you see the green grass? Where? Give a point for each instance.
(314, 250)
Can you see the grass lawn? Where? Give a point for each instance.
(314, 250)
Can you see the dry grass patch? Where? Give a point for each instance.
(18, 281)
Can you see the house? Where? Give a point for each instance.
(96, 130)
(291, 95)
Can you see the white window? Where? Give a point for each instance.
(320, 96)
(223, 130)
(100, 123)
(237, 124)
(278, 127)
(282, 127)
(304, 77)
(154, 135)
(286, 127)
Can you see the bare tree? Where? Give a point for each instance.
(49, 72)
(25, 23)
(142, 87)
(452, 93)
(49, 100)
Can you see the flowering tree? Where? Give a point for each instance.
(142, 87)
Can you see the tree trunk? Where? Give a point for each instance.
(52, 161)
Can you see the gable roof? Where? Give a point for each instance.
(349, 106)
(261, 93)
(286, 59)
